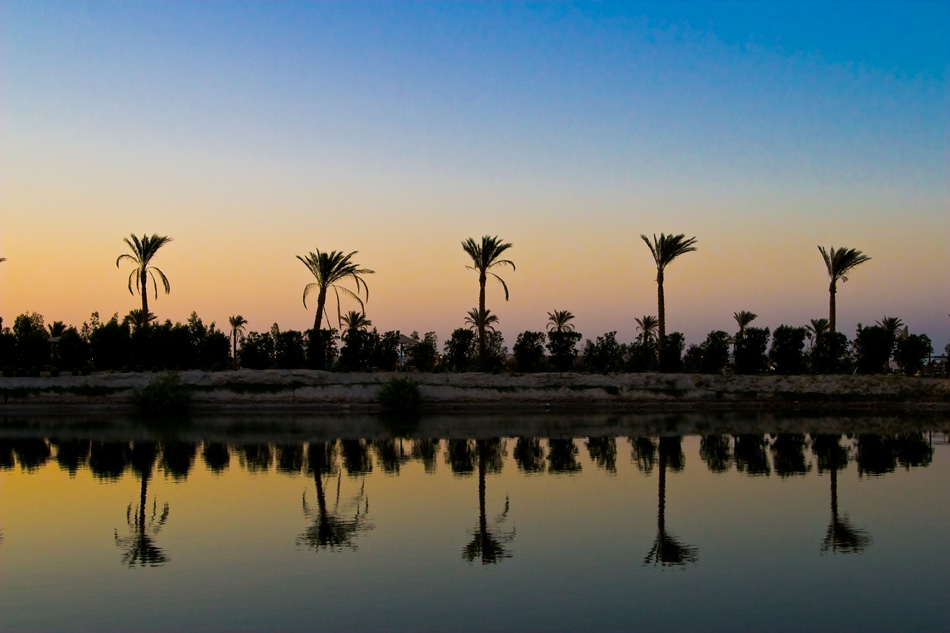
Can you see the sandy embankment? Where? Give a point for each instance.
(307, 389)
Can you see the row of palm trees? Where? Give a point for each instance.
(331, 269)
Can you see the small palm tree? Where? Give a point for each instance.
(839, 262)
(478, 322)
(485, 256)
(647, 325)
(329, 269)
(743, 319)
(816, 328)
(56, 328)
(665, 249)
(355, 320)
(137, 318)
(559, 320)
(237, 323)
(143, 250)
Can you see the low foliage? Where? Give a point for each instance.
(164, 395)
(399, 393)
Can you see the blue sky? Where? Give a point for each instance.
(253, 132)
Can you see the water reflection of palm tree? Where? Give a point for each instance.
(487, 544)
(667, 550)
(840, 536)
(331, 528)
(138, 547)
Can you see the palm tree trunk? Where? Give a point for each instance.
(234, 348)
(321, 304)
(660, 310)
(481, 318)
(832, 290)
(144, 280)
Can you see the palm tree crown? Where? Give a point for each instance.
(475, 321)
(839, 263)
(665, 249)
(485, 256)
(647, 325)
(559, 320)
(356, 320)
(329, 269)
(143, 250)
(744, 318)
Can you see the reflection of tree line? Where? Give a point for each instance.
(336, 523)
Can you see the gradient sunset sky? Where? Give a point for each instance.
(254, 132)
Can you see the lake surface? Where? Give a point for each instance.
(475, 523)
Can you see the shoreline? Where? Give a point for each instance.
(333, 392)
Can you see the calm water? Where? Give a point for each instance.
(528, 523)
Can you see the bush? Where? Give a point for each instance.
(529, 351)
(562, 347)
(830, 354)
(163, 395)
(54, 372)
(872, 349)
(34, 372)
(385, 352)
(605, 354)
(257, 351)
(715, 352)
(671, 360)
(787, 352)
(8, 372)
(911, 352)
(321, 349)
(399, 393)
(643, 355)
(750, 351)
(423, 355)
(460, 350)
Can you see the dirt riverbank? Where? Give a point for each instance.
(320, 390)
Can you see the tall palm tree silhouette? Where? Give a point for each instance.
(143, 250)
(329, 269)
(665, 249)
(667, 550)
(839, 263)
(139, 547)
(485, 256)
(237, 323)
(841, 536)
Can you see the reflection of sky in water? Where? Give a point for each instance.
(575, 531)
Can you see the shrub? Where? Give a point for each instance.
(750, 351)
(911, 352)
(671, 360)
(321, 349)
(562, 347)
(257, 351)
(830, 354)
(20, 372)
(54, 372)
(529, 351)
(715, 352)
(460, 350)
(423, 355)
(399, 393)
(163, 395)
(872, 349)
(787, 352)
(605, 354)
(643, 355)
(34, 372)
(8, 372)
(385, 352)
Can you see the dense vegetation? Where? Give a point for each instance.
(139, 343)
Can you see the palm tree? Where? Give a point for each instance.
(665, 249)
(744, 318)
(485, 256)
(355, 320)
(816, 329)
(138, 319)
(143, 250)
(237, 323)
(647, 325)
(329, 269)
(559, 320)
(667, 550)
(478, 322)
(839, 262)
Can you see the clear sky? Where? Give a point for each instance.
(254, 132)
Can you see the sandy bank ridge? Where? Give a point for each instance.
(308, 389)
